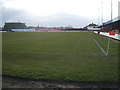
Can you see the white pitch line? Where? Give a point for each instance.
(51, 53)
(108, 47)
(99, 46)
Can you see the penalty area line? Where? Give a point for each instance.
(99, 46)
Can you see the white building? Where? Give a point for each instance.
(92, 27)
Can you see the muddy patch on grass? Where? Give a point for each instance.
(12, 82)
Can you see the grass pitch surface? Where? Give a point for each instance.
(59, 56)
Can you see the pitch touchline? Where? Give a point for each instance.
(49, 53)
(99, 46)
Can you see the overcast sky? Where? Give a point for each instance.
(77, 13)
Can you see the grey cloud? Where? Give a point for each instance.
(59, 19)
(65, 19)
(10, 14)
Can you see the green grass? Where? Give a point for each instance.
(59, 56)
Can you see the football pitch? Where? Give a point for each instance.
(59, 56)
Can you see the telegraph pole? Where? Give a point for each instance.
(108, 47)
(111, 15)
(98, 17)
(102, 11)
(102, 14)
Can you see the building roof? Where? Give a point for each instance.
(113, 20)
(14, 23)
(92, 24)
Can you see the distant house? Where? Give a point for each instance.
(14, 25)
(92, 27)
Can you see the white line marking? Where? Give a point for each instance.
(108, 45)
(99, 46)
(53, 53)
